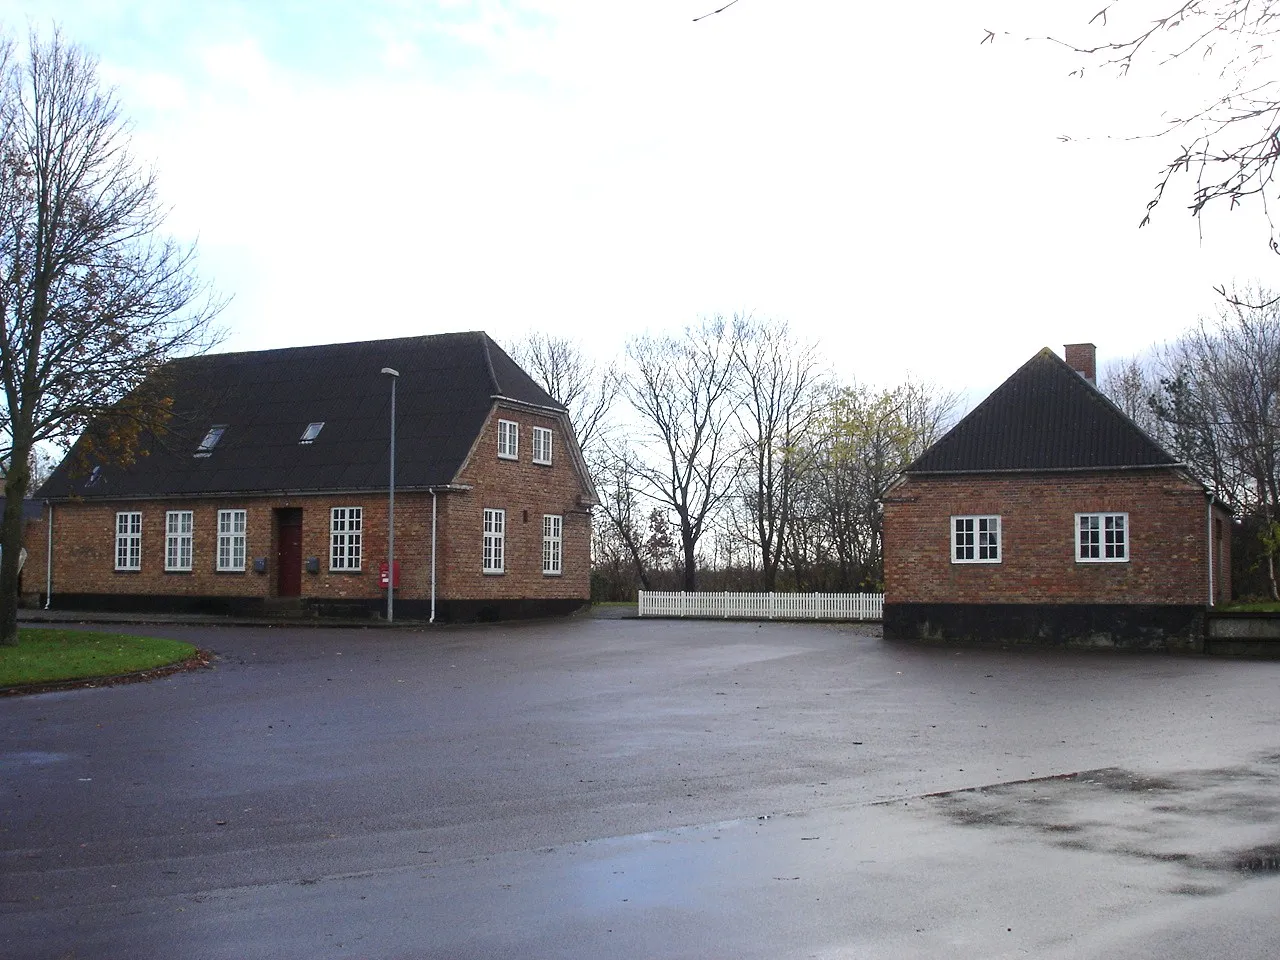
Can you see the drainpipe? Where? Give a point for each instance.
(433, 557)
(48, 559)
(1209, 537)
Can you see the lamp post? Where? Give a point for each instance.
(391, 499)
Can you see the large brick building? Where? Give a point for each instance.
(1046, 515)
(269, 488)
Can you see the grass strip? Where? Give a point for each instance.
(50, 656)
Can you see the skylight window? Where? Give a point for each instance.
(210, 440)
(312, 431)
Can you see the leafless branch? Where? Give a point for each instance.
(714, 12)
(1231, 141)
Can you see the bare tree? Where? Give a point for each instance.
(865, 440)
(92, 300)
(617, 483)
(681, 389)
(1227, 140)
(778, 407)
(1236, 363)
(1134, 385)
(565, 371)
(1214, 401)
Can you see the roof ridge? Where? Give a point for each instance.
(982, 404)
(1099, 395)
(335, 343)
(488, 362)
(1044, 416)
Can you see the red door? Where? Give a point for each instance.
(289, 553)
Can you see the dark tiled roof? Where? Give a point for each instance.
(1044, 417)
(32, 509)
(266, 399)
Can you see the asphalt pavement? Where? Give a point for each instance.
(625, 788)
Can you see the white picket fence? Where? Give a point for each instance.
(764, 606)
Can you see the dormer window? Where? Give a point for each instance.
(210, 440)
(312, 431)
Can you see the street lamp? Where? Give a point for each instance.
(391, 498)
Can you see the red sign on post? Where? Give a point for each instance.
(382, 575)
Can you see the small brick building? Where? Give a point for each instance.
(269, 489)
(1047, 516)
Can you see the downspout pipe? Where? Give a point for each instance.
(433, 558)
(48, 558)
(1209, 539)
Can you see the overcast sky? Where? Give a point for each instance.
(595, 169)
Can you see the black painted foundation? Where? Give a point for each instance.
(1118, 626)
(447, 611)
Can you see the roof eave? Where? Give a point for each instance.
(1011, 470)
(501, 398)
(235, 494)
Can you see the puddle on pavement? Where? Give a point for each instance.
(1123, 781)
(30, 758)
(1264, 859)
(1199, 823)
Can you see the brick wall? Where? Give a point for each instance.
(84, 537)
(84, 547)
(526, 491)
(1167, 540)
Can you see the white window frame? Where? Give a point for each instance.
(979, 530)
(552, 545)
(129, 540)
(508, 440)
(346, 539)
(542, 446)
(233, 538)
(179, 531)
(494, 551)
(1102, 528)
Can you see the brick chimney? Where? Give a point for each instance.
(1083, 359)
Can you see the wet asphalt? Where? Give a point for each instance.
(623, 788)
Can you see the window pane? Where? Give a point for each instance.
(1103, 536)
(975, 539)
(493, 541)
(552, 526)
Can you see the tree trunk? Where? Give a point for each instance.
(639, 563)
(11, 531)
(690, 565)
